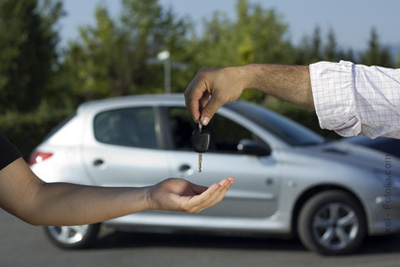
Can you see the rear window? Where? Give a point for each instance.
(132, 127)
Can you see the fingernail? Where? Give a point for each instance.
(205, 121)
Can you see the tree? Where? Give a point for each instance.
(309, 51)
(257, 36)
(151, 29)
(330, 50)
(98, 62)
(397, 60)
(27, 51)
(376, 53)
(110, 59)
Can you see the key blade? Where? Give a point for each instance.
(200, 162)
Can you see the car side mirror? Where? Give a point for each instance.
(251, 147)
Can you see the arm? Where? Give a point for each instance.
(24, 195)
(212, 88)
(351, 98)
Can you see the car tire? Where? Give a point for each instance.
(332, 223)
(73, 237)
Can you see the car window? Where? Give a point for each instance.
(182, 126)
(133, 127)
(280, 126)
(226, 134)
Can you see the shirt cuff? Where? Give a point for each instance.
(333, 90)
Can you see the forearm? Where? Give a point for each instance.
(287, 82)
(26, 196)
(68, 204)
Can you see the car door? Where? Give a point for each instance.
(255, 191)
(122, 147)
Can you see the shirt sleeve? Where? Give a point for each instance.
(352, 99)
(8, 152)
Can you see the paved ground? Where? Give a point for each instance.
(25, 245)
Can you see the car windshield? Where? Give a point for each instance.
(282, 127)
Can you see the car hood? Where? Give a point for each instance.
(354, 155)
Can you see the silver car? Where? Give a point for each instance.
(289, 180)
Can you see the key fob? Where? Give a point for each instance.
(201, 140)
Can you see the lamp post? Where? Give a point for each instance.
(164, 56)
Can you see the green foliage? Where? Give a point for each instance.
(257, 36)
(110, 59)
(39, 86)
(97, 61)
(26, 130)
(27, 51)
(313, 49)
(376, 54)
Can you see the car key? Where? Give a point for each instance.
(201, 142)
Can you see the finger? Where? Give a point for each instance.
(221, 191)
(191, 103)
(210, 109)
(213, 195)
(200, 202)
(230, 180)
(227, 185)
(195, 97)
(213, 199)
(204, 100)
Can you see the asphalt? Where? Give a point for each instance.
(26, 245)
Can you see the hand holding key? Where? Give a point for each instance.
(201, 142)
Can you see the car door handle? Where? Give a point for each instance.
(98, 162)
(184, 168)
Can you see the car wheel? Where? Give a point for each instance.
(72, 237)
(332, 223)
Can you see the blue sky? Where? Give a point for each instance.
(351, 20)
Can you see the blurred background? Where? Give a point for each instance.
(56, 54)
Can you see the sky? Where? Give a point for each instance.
(351, 20)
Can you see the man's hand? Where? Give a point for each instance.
(212, 88)
(181, 195)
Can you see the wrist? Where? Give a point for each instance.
(237, 79)
(251, 74)
(149, 202)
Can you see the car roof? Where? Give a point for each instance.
(129, 100)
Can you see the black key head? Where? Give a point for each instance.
(201, 140)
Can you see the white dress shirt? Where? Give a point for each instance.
(352, 99)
